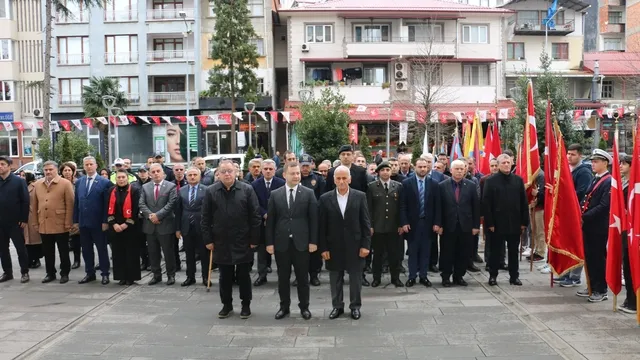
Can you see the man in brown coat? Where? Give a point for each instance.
(53, 207)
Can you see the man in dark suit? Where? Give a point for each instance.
(263, 187)
(344, 240)
(460, 221)
(418, 214)
(90, 215)
(188, 215)
(383, 202)
(292, 229)
(358, 173)
(506, 216)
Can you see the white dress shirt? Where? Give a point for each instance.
(342, 201)
(295, 190)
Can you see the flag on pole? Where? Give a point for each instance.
(634, 217)
(466, 136)
(550, 166)
(456, 152)
(617, 220)
(528, 165)
(491, 149)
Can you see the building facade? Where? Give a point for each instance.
(619, 25)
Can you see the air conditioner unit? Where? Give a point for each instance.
(401, 86)
(37, 113)
(305, 47)
(400, 71)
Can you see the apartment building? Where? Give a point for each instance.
(20, 68)
(619, 25)
(374, 52)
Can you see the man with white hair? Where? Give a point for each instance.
(344, 240)
(255, 166)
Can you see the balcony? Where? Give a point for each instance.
(617, 3)
(401, 47)
(175, 97)
(536, 28)
(120, 15)
(73, 59)
(170, 56)
(69, 100)
(358, 94)
(134, 99)
(169, 14)
(81, 17)
(614, 29)
(121, 58)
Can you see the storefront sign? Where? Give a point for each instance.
(245, 127)
(6, 116)
(404, 128)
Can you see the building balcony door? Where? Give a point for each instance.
(218, 142)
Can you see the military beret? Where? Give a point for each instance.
(344, 148)
(384, 164)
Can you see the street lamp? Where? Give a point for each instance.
(546, 29)
(249, 107)
(183, 15)
(109, 102)
(389, 110)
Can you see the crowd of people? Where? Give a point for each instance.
(351, 216)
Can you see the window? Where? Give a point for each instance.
(371, 33)
(168, 9)
(120, 10)
(129, 85)
(374, 74)
(260, 86)
(319, 33)
(169, 83)
(426, 33)
(475, 34)
(475, 75)
(9, 143)
(27, 147)
(424, 74)
(615, 17)
(256, 7)
(510, 84)
(77, 13)
(529, 17)
(6, 91)
(212, 10)
(71, 91)
(210, 45)
(613, 44)
(168, 49)
(121, 49)
(5, 12)
(321, 72)
(515, 51)
(71, 50)
(5, 48)
(560, 51)
(259, 44)
(607, 89)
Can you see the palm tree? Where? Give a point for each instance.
(61, 9)
(92, 103)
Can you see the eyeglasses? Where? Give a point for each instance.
(226, 171)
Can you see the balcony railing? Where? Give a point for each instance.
(73, 59)
(617, 3)
(73, 18)
(537, 28)
(169, 55)
(69, 100)
(175, 97)
(614, 28)
(405, 46)
(134, 99)
(120, 15)
(168, 14)
(121, 58)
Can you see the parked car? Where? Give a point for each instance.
(34, 167)
(212, 161)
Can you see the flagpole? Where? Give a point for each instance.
(616, 116)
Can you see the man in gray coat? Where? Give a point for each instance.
(157, 204)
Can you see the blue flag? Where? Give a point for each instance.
(548, 21)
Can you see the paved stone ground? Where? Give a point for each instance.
(95, 322)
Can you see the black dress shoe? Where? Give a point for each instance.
(260, 281)
(36, 264)
(477, 259)
(335, 313)
(5, 277)
(355, 314)
(87, 279)
(105, 280)
(425, 282)
(282, 313)
(75, 265)
(433, 269)
(188, 281)
(48, 279)
(492, 281)
(245, 313)
(460, 282)
(515, 282)
(226, 311)
(171, 280)
(204, 282)
(64, 279)
(473, 268)
(397, 283)
(269, 271)
(306, 314)
(410, 282)
(375, 283)
(295, 282)
(365, 282)
(446, 283)
(155, 280)
(129, 282)
(314, 281)
(122, 282)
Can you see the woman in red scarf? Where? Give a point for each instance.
(122, 212)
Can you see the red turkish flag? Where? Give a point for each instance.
(181, 118)
(491, 148)
(226, 118)
(374, 113)
(132, 119)
(88, 122)
(528, 165)
(577, 113)
(550, 166)
(634, 215)
(274, 115)
(19, 126)
(421, 117)
(156, 119)
(617, 220)
(203, 120)
(397, 115)
(114, 120)
(65, 125)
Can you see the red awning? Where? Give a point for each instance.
(328, 60)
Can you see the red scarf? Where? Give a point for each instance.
(126, 209)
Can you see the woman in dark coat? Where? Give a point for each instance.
(122, 210)
(68, 171)
(31, 236)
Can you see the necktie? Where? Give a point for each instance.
(192, 196)
(457, 192)
(421, 194)
(156, 192)
(290, 198)
(269, 187)
(177, 185)
(386, 188)
(89, 183)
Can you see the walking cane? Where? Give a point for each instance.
(210, 266)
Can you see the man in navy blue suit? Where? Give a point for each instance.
(418, 214)
(263, 187)
(90, 215)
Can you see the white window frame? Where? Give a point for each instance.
(608, 89)
(7, 9)
(8, 56)
(260, 86)
(617, 19)
(12, 91)
(83, 82)
(12, 135)
(469, 81)
(366, 39)
(326, 29)
(427, 74)
(612, 41)
(64, 56)
(129, 56)
(435, 33)
(466, 34)
(256, 8)
(259, 44)
(514, 52)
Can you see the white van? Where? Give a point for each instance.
(212, 161)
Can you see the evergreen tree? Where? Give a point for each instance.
(263, 153)
(65, 147)
(365, 144)
(250, 155)
(232, 76)
(416, 146)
